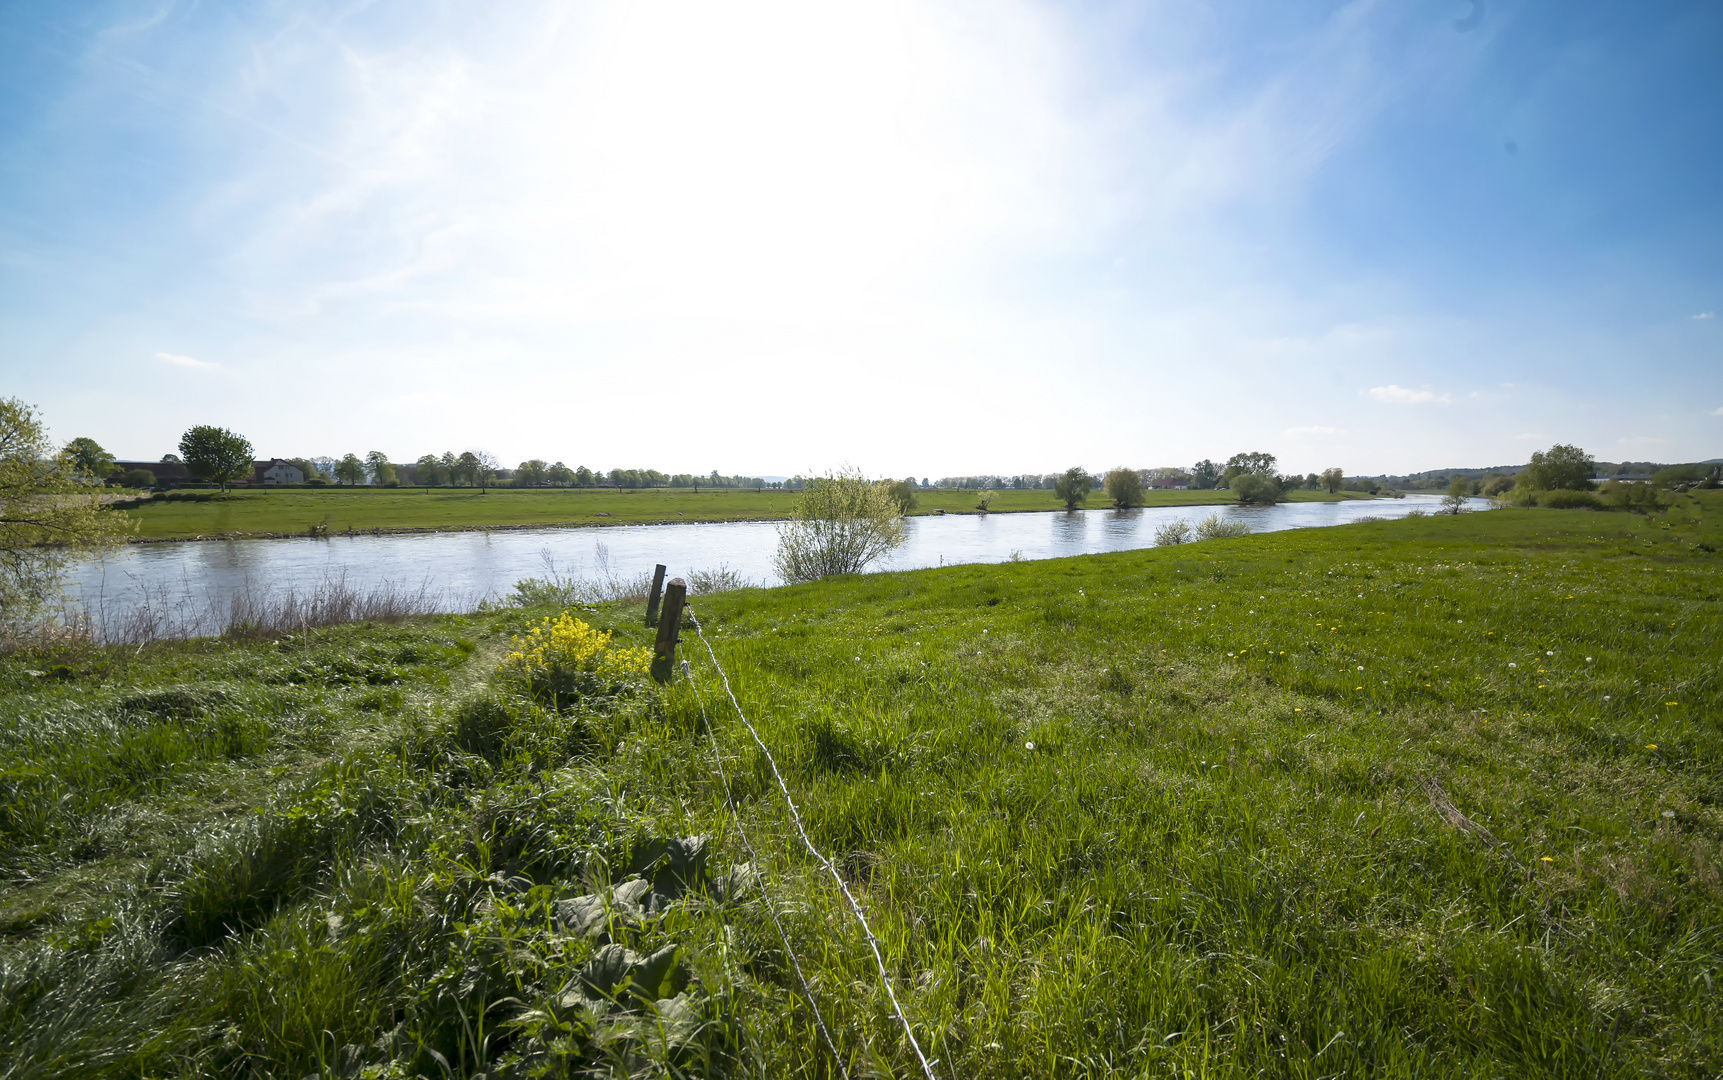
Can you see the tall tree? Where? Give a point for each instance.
(48, 516)
(1205, 474)
(1332, 479)
(1561, 466)
(431, 471)
(532, 473)
(216, 454)
(90, 460)
(378, 468)
(350, 470)
(560, 475)
(1256, 462)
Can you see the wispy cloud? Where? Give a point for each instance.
(1706, 315)
(1717, 411)
(1401, 395)
(185, 361)
(1314, 429)
(1641, 440)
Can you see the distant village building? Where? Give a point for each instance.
(277, 471)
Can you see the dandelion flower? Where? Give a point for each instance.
(1546, 858)
(1651, 746)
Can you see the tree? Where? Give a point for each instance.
(1073, 487)
(1558, 468)
(378, 469)
(48, 517)
(560, 475)
(532, 473)
(89, 459)
(350, 470)
(1254, 487)
(840, 524)
(1125, 487)
(431, 471)
(984, 498)
(1332, 479)
(1255, 462)
(1455, 500)
(583, 476)
(903, 494)
(138, 478)
(1205, 474)
(484, 467)
(173, 458)
(451, 467)
(215, 454)
(306, 469)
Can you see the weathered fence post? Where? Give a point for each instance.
(652, 598)
(669, 623)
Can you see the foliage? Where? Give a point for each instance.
(350, 470)
(1561, 467)
(1073, 486)
(841, 523)
(533, 472)
(903, 494)
(137, 478)
(1257, 488)
(1176, 531)
(1677, 474)
(1568, 499)
(1125, 487)
(1627, 495)
(1332, 479)
(1215, 527)
(1495, 485)
(89, 459)
(216, 454)
(1205, 475)
(431, 471)
(48, 517)
(984, 498)
(1455, 500)
(1253, 463)
(563, 659)
(378, 469)
(717, 580)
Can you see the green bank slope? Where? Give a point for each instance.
(1433, 797)
(300, 511)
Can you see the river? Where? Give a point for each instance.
(458, 569)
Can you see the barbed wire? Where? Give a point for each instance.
(765, 894)
(796, 817)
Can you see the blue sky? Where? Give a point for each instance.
(922, 238)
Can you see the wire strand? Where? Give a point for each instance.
(795, 816)
(765, 894)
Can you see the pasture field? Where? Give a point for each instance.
(294, 511)
(1433, 797)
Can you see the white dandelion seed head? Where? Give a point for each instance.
(1606, 697)
(1550, 652)
(1360, 667)
(1669, 813)
(1513, 665)
(1029, 745)
(1588, 659)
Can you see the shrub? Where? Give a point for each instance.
(1564, 499)
(1639, 498)
(841, 523)
(723, 579)
(137, 478)
(1124, 487)
(902, 493)
(1177, 531)
(1073, 487)
(563, 659)
(1256, 488)
(1215, 527)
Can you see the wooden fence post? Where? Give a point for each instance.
(669, 624)
(652, 598)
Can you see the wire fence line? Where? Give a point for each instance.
(830, 867)
(765, 893)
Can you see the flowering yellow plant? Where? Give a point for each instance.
(565, 654)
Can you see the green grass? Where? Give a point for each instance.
(295, 511)
(1134, 814)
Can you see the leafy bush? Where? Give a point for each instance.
(984, 498)
(1215, 527)
(1124, 487)
(723, 579)
(1073, 487)
(1256, 488)
(840, 524)
(1177, 531)
(1561, 467)
(137, 478)
(1565, 499)
(1639, 498)
(902, 493)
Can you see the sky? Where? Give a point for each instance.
(918, 238)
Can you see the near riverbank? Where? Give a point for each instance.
(289, 512)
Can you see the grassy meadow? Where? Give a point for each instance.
(295, 511)
(1433, 797)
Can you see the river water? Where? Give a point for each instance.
(461, 568)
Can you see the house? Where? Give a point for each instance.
(276, 471)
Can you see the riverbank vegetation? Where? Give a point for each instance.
(1433, 796)
(333, 510)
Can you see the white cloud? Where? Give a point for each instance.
(1401, 395)
(1315, 429)
(184, 361)
(1717, 412)
(1706, 315)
